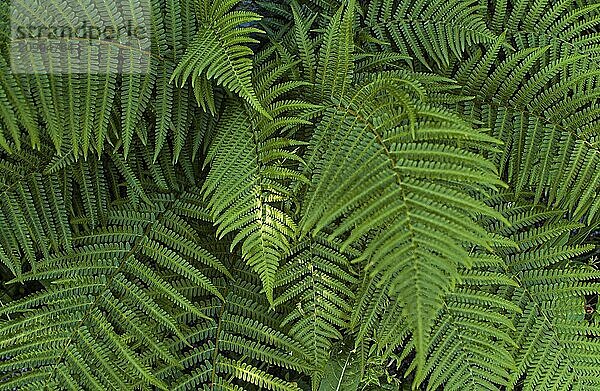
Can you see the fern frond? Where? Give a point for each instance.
(301, 195)
(317, 281)
(430, 31)
(382, 161)
(570, 26)
(105, 303)
(34, 215)
(472, 339)
(241, 333)
(220, 51)
(554, 343)
(16, 109)
(336, 63)
(541, 117)
(251, 167)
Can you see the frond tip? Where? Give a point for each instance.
(390, 169)
(220, 51)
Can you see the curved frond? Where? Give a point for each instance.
(105, 302)
(220, 52)
(389, 166)
(430, 31)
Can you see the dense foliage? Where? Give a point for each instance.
(308, 195)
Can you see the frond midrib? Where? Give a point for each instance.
(555, 334)
(122, 263)
(406, 210)
(493, 103)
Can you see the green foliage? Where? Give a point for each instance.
(323, 195)
(431, 32)
(317, 279)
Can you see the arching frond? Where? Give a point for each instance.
(97, 320)
(317, 281)
(251, 167)
(382, 159)
(220, 51)
(429, 31)
(568, 25)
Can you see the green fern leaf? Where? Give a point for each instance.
(220, 51)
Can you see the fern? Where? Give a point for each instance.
(551, 327)
(429, 31)
(250, 174)
(473, 336)
(301, 195)
(417, 255)
(318, 279)
(231, 346)
(103, 281)
(540, 138)
(220, 52)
